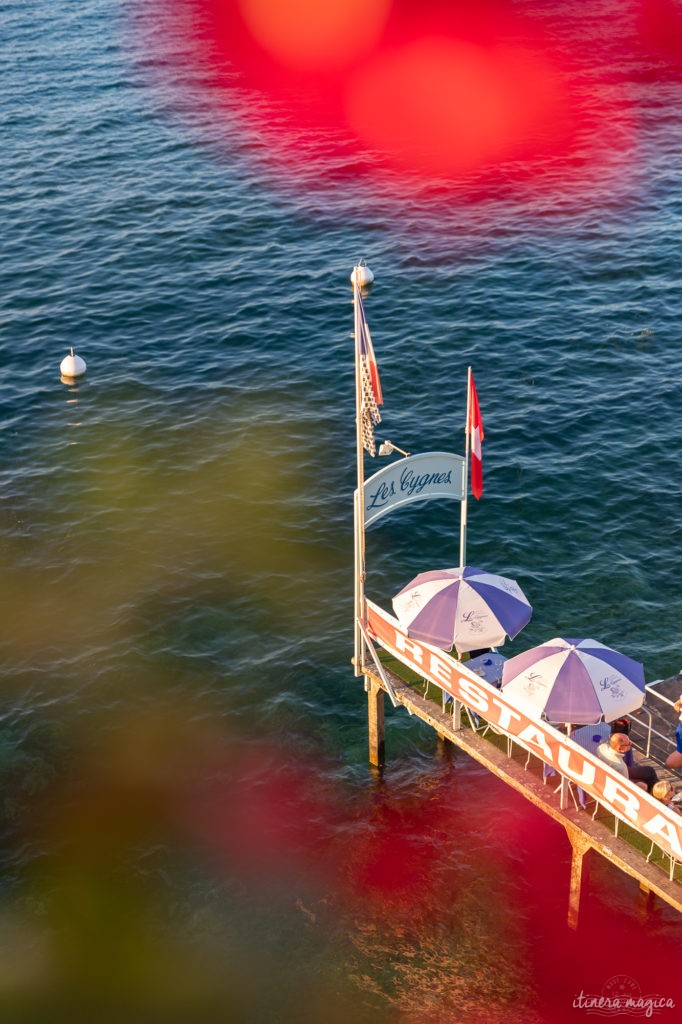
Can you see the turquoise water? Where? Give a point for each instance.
(190, 826)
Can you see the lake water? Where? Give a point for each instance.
(190, 827)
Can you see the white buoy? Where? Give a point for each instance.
(362, 274)
(72, 366)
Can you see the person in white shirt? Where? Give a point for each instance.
(613, 753)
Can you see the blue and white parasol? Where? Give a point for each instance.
(467, 607)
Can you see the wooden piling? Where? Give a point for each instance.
(645, 902)
(444, 748)
(375, 718)
(579, 873)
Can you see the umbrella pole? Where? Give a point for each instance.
(465, 500)
(563, 792)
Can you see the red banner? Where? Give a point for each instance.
(623, 798)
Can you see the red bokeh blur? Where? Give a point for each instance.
(261, 817)
(312, 36)
(407, 861)
(445, 106)
(267, 821)
(660, 26)
(442, 90)
(398, 867)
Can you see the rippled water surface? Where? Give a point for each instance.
(190, 826)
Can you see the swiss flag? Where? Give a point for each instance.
(475, 429)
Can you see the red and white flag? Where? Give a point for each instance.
(475, 430)
(372, 397)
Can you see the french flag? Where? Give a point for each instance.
(367, 357)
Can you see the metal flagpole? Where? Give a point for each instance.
(359, 517)
(465, 499)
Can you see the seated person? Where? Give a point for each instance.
(623, 725)
(674, 760)
(613, 753)
(665, 792)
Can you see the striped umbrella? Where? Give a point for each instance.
(467, 607)
(577, 681)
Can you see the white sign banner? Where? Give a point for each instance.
(416, 478)
(620, 796)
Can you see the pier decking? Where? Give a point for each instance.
(523, 772)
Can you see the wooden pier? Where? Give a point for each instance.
(508, 730)
(584, 833)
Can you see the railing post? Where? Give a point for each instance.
(456, 714)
